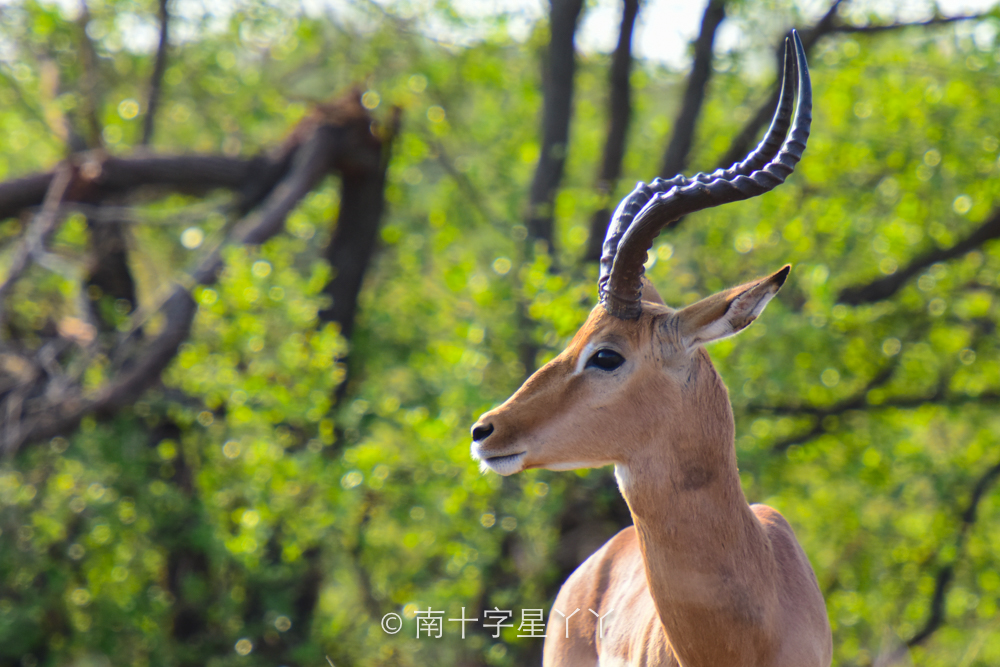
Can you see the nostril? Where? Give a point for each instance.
(481, 432)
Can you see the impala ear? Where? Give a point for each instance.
(730, 312)
(649, 292)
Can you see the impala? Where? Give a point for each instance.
(702, 579)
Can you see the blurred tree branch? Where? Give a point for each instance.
(860, 400)
(937, 20)
(41, 228)
(112, 176)
(676, 156)
(356, 232)
(677, 152)
(619, 118)
(885, 287)
(356, 552)
(829, 24)
(903, 402)
(337, 137)
(936, 615)
(350, 251)
(558, 70)
(89, 82)
(744, 139)
(156, 78)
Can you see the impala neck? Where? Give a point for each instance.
(709, 564)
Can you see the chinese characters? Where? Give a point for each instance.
(430, 622)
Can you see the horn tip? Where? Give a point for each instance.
(798, 40)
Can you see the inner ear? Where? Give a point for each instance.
(727, 313)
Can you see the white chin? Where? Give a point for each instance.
(577, 465)
(503, 465)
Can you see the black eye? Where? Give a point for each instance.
(606, 360)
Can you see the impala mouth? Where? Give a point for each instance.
(504, 465)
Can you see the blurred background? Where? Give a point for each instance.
(264, 264)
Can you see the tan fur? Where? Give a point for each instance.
(702, 579)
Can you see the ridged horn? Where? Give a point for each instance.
(644, 213)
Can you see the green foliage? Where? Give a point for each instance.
(236, 515)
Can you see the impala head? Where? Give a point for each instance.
(636, 372)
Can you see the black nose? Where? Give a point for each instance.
(481, 432)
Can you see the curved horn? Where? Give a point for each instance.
(759, 157)
(649, 208)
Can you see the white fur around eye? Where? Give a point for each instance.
(581, 361)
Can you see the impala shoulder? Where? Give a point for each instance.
(787, 551)
(807, 639)
(770, 518)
